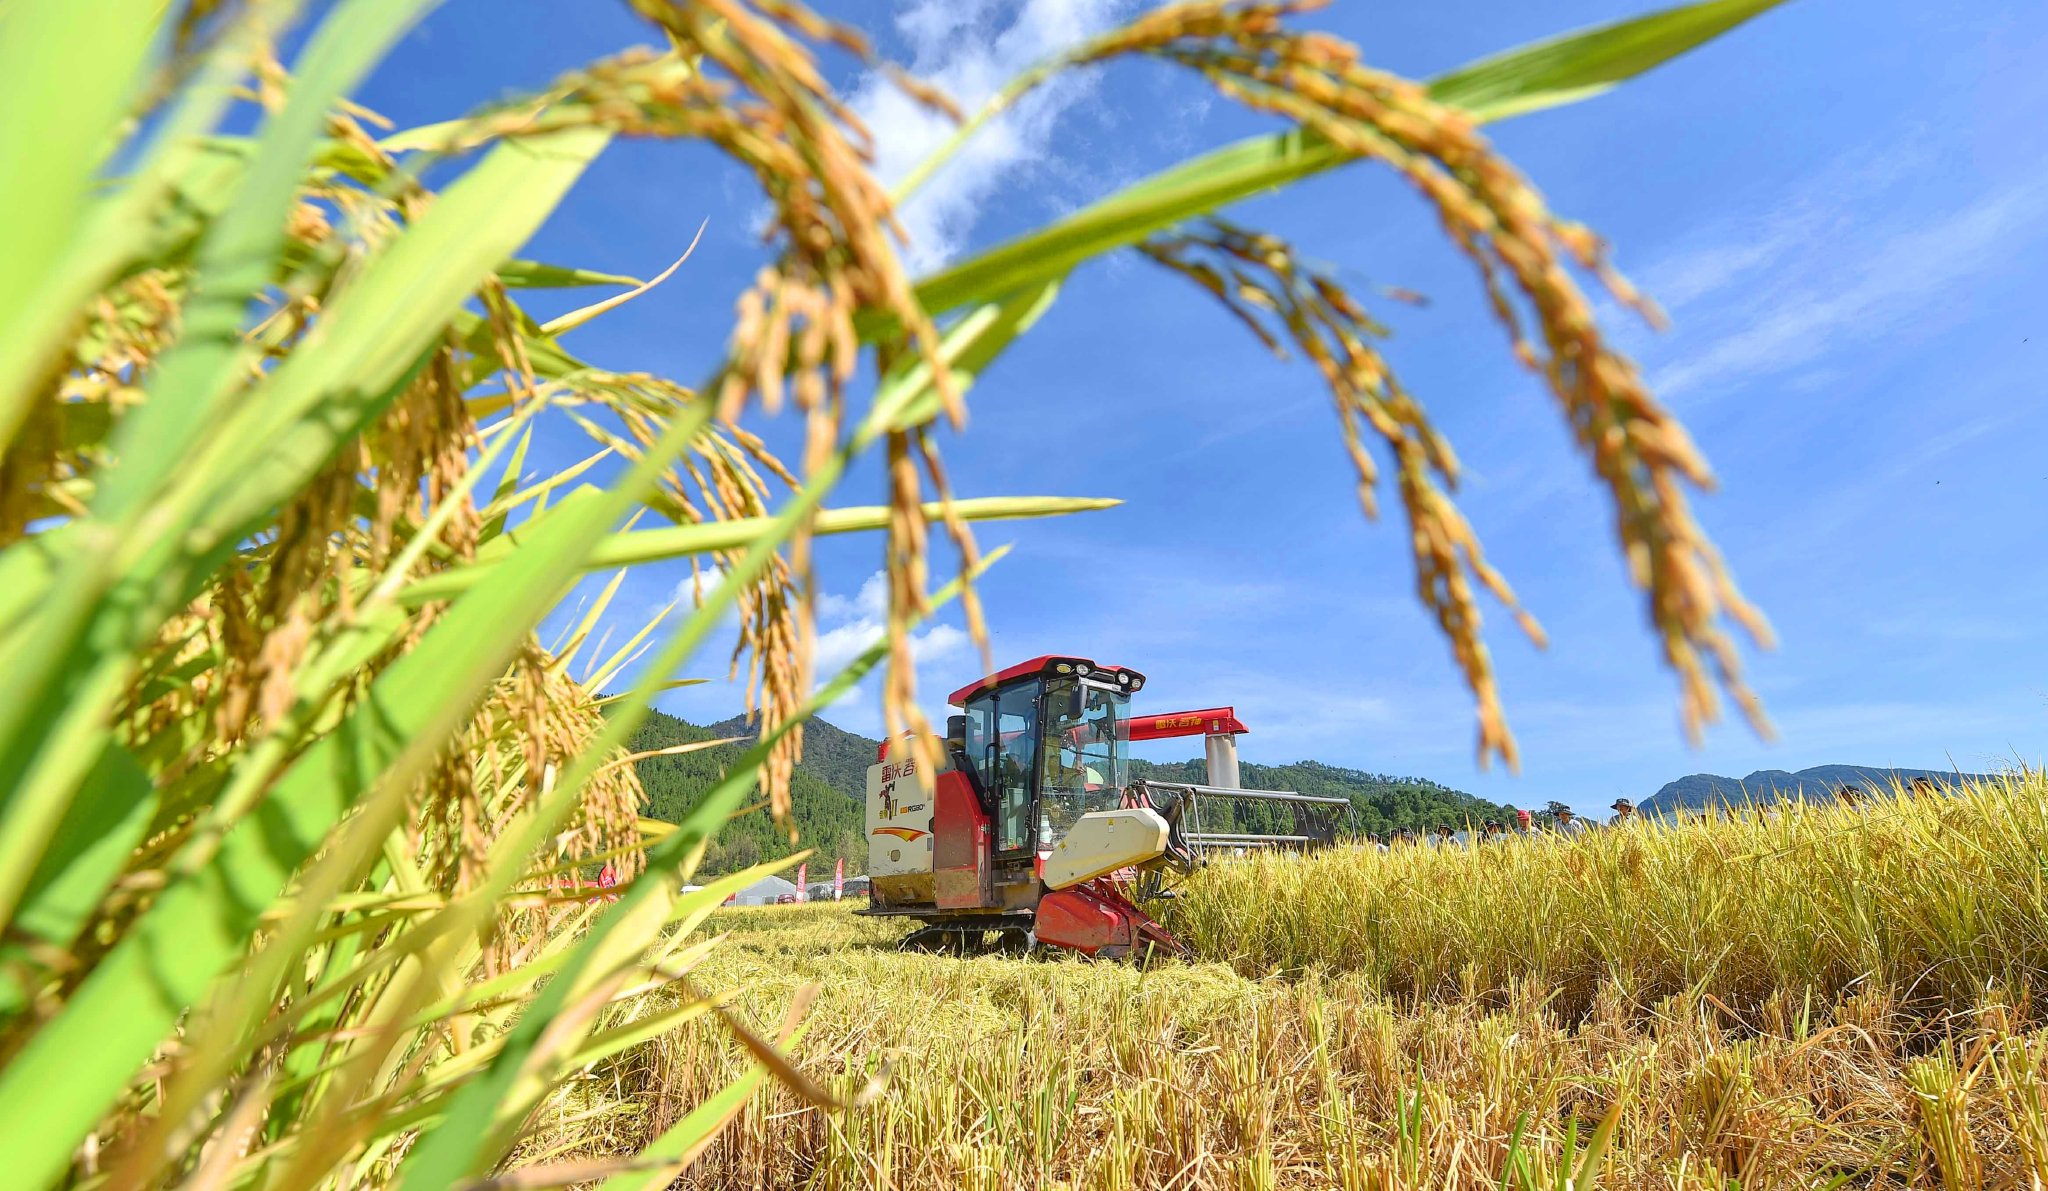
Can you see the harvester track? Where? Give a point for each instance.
(969, 939)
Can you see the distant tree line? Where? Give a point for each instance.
(1379, 802)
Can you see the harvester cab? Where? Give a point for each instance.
(1030, 830)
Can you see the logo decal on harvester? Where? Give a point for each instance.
(906, 834)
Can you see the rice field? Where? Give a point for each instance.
(290, 781)
(1832, 997)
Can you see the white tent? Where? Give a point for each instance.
(763, 892)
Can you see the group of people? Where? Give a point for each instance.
(1560, 820)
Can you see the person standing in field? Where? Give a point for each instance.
(1446, 836)
(1569, 825)
(1525, 823)
(1624, 813)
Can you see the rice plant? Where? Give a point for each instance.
(1223, 1073)
(288, 784)
(1937, 898)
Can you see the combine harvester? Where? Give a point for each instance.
(1030, 833)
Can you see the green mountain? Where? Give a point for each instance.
(1815, 784)
(826, 817)
(833, 755)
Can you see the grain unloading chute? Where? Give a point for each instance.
(1030, 829)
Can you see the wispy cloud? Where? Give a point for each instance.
(970, 50)
(1286, 724)
(852, 624)
(1844, 264)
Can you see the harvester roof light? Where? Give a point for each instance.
(1066, 669)
(1125, 679)
(1081, 670)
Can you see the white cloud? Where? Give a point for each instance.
(1288, 718)
(871, 602)
(849, 625)
(695, 586)
(969, 51)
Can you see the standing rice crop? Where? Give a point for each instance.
(1936, 899)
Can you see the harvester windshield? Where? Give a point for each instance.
(1086, 754)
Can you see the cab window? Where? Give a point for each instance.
(1086, 753)
(1002, 747)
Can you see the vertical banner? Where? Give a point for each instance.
(803, 875)
(839, 878)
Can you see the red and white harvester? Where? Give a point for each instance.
(1031, 832)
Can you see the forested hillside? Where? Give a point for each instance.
(826, 818)
(1379, 802)
(1815, 784)
(832, 754)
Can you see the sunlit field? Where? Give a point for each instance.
(318, 709)
(1831, 995)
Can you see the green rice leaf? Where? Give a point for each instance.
(100, 829)
(1581, 65)
(535, 275)
(683, 1141)
(969, 346)
(377, 331)
(70, 667)
(68, 69)
(639, 546)
(236, 258)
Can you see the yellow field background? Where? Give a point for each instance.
(1830, 995)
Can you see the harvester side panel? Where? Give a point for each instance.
(962, 878)
(899, 831)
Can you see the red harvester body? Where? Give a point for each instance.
(1030, 832)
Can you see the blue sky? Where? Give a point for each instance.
(1843, 205)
